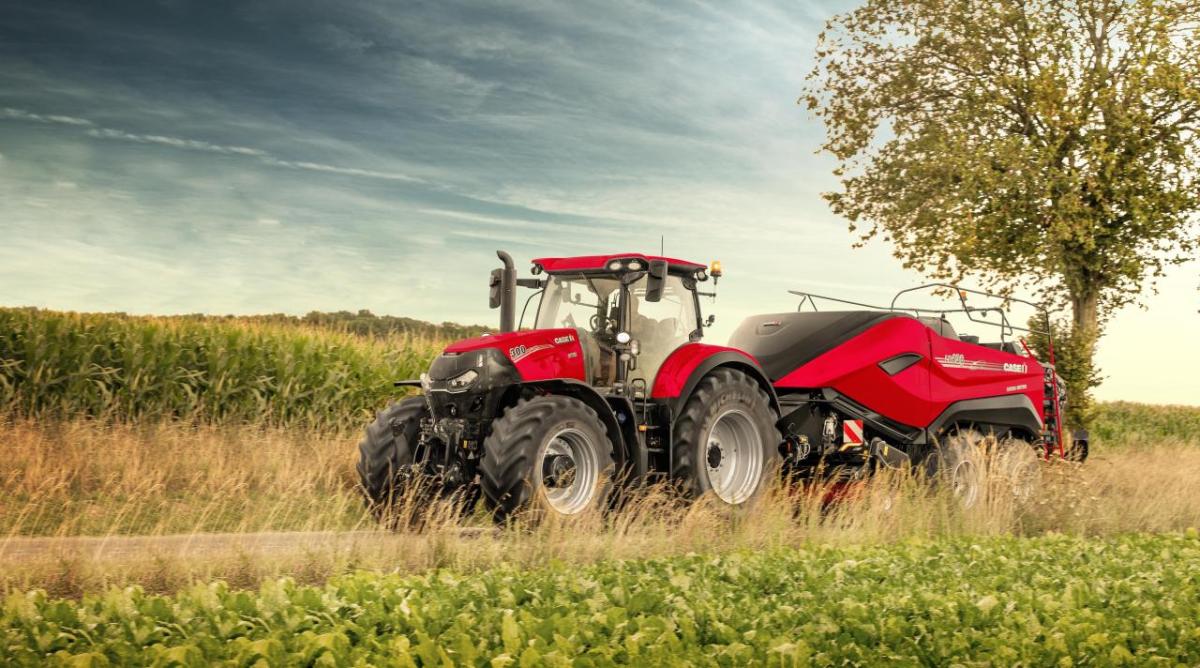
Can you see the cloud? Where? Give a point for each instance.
(334, 169)
(502, 221)
(340, 40)
(183, 143)
(174, 142)
(22, 115)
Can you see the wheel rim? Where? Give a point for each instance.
(568, 471)
(1026, 474)
(733, 456)
(964, 483)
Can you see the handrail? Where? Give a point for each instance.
(973, 313)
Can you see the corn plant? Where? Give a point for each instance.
(114, 366)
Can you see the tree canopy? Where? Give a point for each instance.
(1044, 144)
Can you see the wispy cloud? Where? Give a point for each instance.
(335, 169)
(174, 142)
(22, 115)
(187, 144)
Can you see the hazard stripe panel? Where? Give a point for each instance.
(852, 432)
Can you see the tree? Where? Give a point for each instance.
(1047, 145)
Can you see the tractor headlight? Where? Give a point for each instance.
(463, 380)
(425, 383)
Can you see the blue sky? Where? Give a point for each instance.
(286, 156)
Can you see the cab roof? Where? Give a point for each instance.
(600, 262)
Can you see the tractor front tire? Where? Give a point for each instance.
(387, 449)
(726, 443)
(548, 455)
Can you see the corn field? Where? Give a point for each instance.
(134, 368)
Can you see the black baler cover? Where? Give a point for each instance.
(781, 342)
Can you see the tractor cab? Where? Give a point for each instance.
(629, 312)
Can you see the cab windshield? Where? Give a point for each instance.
(592, 306)
(581, 302)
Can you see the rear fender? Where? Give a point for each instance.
(1000, 415)
(690, 363)
(627, 449)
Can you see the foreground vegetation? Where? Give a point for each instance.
(998, 601)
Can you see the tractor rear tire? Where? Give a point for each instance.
(387, 449)
(548, 455)
(726, 443)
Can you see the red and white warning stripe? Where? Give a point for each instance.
(852, 432)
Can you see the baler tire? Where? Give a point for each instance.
(959, 463)
(510, 472)
(718, 394)
(386, 448)
(1017, 469)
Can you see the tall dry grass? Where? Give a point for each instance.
(87, 477)
(187, 483)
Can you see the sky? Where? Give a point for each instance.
(285, 156)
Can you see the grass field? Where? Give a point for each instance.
(84, 479)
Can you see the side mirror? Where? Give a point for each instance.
(495, 288)
(656, 280)
(710, 320)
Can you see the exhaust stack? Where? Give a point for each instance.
(505, 287)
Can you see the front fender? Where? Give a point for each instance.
(690, 363)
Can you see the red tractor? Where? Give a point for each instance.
(612, 385)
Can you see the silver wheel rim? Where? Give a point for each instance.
(733, 456)
(568, 492)
(1026, 476)
(964, 483)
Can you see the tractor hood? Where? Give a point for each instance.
(537, 354)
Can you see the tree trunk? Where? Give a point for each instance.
(1085, 311)
(1075, 360)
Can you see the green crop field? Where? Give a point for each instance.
(212, 370)
(1048, 601)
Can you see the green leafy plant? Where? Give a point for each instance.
(1055, 600)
